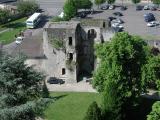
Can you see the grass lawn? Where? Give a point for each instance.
(70, 105)
(14, 28)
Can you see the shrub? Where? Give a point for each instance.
(27, 7)
(57, 19)
(93, 113)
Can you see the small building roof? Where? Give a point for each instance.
(31, 47)
(63, 24)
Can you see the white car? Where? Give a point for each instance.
(146, 7)
(117, 21)
(153, 23)
(19, 40)
(115, 25)
(61, 15)
(111, 7)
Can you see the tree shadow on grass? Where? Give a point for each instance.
(15, 25)
(58, 97)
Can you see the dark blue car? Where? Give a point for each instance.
(148, 17)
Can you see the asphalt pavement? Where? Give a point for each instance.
(51, 7)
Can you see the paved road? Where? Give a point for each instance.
(51, 7)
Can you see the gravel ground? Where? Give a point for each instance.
(75, 87)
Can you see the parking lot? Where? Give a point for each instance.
(134, 21)
(51, 7)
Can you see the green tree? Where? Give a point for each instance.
(4, 15)
(27, 7)
(136, 1)
(45, 92)
(20, 90)
(151, 72)
(69, 9)
(155, 113)
(83, 4)
(119, 74)
(156, 2)
(93, 113)
(111, 1)
(99, 2)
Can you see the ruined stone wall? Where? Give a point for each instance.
(56, 60)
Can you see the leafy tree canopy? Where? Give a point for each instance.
(4, 15)
(27, 7)
(119, 73)
(156, 2)
(69, 9)
(111, 1)
(20, 89)
(83, 4)
(155, 113)
(151, 72)
(136, 1)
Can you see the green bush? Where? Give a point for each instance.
(27, 7)
(57, 19)
(4, 15)
(155, 113)
(83, 4)
(70, 9)
(56, 43)
(93, 113)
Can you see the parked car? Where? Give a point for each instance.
(111, 18)
(118, 14)
(82, 14)
(153, 23)
(146, 7)
(105, 7)
(123, 8)
(53, 80)
(152, 8)
(115, 25)
(117, 29)
(149, 17)
(111, 7)
(19, 40)
(118, 20)
(139, 7)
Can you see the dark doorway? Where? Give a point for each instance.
(70, 56)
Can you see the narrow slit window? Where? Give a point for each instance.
(70, 40)
(104, 24)
(63, 71)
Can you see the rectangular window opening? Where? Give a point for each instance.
(63, 71)
(70, 56)
(70, 40)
